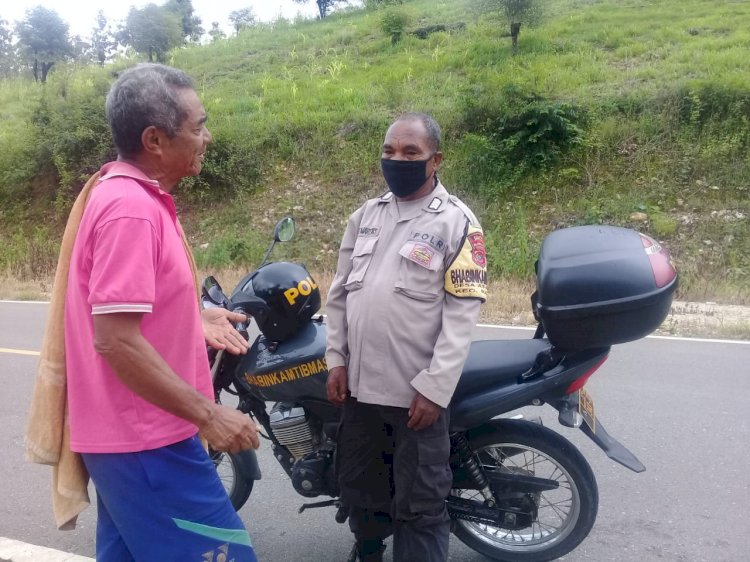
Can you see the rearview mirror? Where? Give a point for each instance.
(212, 293)
(284, 230)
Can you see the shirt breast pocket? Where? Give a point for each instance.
(361, 258)
(421, 272)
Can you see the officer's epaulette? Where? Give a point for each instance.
(465, 209)
(436, 204)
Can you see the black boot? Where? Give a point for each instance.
(367, 551)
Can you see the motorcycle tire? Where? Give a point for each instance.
(237, 486)
(559, 522)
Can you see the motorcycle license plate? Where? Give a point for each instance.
(586, 409)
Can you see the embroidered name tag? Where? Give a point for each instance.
(369, 231)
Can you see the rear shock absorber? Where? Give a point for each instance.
(470, 462)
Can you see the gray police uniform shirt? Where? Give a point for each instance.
(410, 280)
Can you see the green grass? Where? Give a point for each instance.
(298, 111)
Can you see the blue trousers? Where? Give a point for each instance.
(165, 505)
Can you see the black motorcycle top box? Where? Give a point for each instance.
(601, 285)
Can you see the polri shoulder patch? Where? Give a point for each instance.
(467, 275)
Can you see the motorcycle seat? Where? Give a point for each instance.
(492, 362)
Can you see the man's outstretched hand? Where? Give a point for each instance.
(219, 330)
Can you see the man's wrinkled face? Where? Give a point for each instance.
(407, 140)
(409, 159)
(183, 155)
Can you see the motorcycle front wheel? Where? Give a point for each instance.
(561, 518)
(238, 487)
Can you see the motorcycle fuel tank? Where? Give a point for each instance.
(293, 370)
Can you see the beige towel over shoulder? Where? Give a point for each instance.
(47, 433)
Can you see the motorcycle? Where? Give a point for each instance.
(521, 492)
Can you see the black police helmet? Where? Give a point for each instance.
(291, 296)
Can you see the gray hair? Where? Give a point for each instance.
(430, 125)
(142, 96)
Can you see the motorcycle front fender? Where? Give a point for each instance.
(247, 464)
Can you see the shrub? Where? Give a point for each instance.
(516, 132)
(393, 22)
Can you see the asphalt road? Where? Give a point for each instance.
(681, 406)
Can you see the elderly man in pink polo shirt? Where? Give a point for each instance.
(139, 387)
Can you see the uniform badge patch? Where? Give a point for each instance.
(478, 252)
(422, 255)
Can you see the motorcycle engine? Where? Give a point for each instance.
(289, 424)
(311, 468)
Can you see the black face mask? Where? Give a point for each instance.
(404, 177)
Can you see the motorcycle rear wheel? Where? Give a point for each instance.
(564, 516)
(237, 486)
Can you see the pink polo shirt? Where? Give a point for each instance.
(128, 257)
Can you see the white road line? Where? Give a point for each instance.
(18, 351)
(526, 328)
(500, 326)
(17, 551)
(700, 340)
(673, 338)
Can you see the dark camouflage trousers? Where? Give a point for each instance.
(395, 480)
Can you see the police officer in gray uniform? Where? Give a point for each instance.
(410, 280)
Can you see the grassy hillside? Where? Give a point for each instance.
(632, 113)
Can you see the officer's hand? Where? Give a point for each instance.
(229, 430)
(336, 385)
(422, 413)
(219, 331)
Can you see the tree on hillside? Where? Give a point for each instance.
(191, 24)
(516, 12)
(43, 36)
(102, 41)
(80, 49)
(216, 33)
(242, 19)
(324, 6)
(8, 54)
(152, 30)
